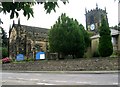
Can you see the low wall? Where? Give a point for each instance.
(65, 65)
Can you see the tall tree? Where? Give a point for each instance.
(66, 37)
(4, 38)
(4, 43)
(14, 7)
(86, 37)
(105, 45)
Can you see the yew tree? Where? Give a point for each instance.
(105, 45)
(66, 37)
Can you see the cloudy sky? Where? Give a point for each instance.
(74, 9)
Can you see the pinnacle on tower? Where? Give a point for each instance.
(19, 21)
(85, 10)
(13, 23)
(105, 9)
(96, 6)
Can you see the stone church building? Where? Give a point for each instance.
(93, 19)
(27, 40)
(93, 22)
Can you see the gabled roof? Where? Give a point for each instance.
(31, 28)
(113, 33)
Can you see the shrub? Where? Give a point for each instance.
(4, 52)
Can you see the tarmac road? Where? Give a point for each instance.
(41, 78)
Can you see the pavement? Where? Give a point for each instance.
(67, 72)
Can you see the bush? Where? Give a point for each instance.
(29, 59)
(88, 53)
(4, 52)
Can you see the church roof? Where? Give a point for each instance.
(31, 28)
(113, 33)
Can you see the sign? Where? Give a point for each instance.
(20, 57)
(40, 55)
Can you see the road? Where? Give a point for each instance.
(14, 78)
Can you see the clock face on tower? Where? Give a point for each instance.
(92, 27)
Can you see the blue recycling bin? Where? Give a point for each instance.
(40, 55)
(20, 57)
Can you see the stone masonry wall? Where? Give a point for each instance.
(65, 65)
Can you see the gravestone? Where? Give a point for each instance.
(40, 55)
(20, 57)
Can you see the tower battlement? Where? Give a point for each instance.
(94, 17)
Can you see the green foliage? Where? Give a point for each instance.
(88, 53)
(4, 38)
(14, 8)
(86, 37)
(96, 53)
(29, 59)
(105, 44)
(4, 52)
(66, 37)
(90, 33)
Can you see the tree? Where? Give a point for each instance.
(15, 7)
(4, 38)
(66, 37)
(105, 45)
(4, 44)
(86, 37)
(4, 52)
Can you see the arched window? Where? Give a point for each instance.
(91, 19)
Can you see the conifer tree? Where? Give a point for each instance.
(105, 45)
(66, 37)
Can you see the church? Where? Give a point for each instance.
(27, 40)
(93, 19)
(93, 22)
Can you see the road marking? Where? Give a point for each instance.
(60, 81)
(38, 74)
(33, 79)
(45, 84)
(84, 82)
(115, 83)
(20, 78)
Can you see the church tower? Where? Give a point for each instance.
(93, 19)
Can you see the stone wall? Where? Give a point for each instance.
(94, 44)
(65, 65)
